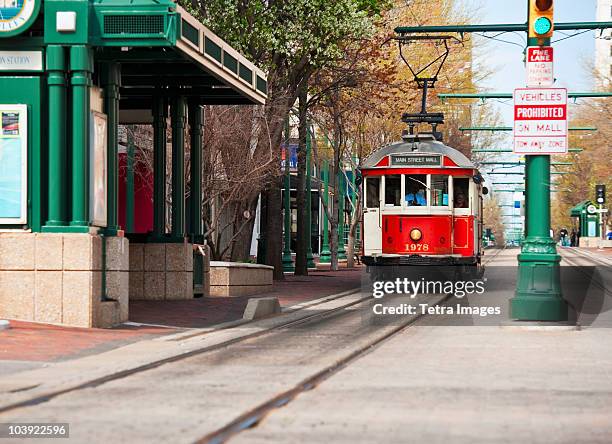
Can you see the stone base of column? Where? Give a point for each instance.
(325, 257)
(60, 278)
(161, 271)
(310, 263)
(538, 291)
(287, 261)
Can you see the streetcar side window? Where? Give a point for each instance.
(416, 190)
(439, 190)
(393, 189)
(372, 192)
(461, 192)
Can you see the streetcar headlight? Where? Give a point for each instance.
(415, 234)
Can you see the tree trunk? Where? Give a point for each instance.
(274, 229)
(350, 252)
(303, 227)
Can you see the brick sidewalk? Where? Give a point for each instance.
(27, 343)
(206, 312)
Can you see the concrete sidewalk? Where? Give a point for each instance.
(27, 345)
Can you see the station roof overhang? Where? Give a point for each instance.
(163, 49)
(580, 208)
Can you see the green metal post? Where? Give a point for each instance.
(129, 189)
(354, 203)
(195, 125)
(309, 256)
(287, 260)
(56, 66)
(341, 192)
(325, 257)
(160, 114)
(178, 167)
(538, 288)
(81, 67)
(111, 82)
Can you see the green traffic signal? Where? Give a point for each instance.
(542, 25)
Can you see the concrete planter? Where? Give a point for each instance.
(239, 279)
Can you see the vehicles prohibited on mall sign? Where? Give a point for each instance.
(540, 121)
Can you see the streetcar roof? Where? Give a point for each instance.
(413, 144)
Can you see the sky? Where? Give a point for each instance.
(572, 56)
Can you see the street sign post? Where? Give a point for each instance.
(540, 73)
(540, 121)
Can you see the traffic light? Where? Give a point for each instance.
(541, 24)
(600, 194)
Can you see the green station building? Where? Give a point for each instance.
(72, 71)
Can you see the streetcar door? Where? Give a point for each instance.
(372, 223)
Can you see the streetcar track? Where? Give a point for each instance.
(308, 384)
(179, 357)
(578, 267)
(254, 416)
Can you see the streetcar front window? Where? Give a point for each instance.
(393, 190)
(439, 190)
(372, 192)
(461, 192)
(416, 190)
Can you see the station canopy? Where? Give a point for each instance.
(580, 208)
(161, 46)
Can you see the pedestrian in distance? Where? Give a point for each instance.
(563, 237)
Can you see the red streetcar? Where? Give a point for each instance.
(423, 206)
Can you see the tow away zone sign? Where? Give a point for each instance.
(540, 120)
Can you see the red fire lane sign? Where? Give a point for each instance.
(540, 121)
(540, 73)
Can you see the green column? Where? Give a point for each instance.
(309, 257)
(195, 125)
(81, 67)
(538, 287)
(354, 202)
(178, 167)
(111, 82)
(341, 191)
(160, 114)
(325, 256)
(287, 260)
(129, 189)
(58, 192)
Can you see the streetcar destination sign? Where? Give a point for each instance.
(416, 160)
(540, 66)
(540, 121)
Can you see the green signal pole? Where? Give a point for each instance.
(309, 257)
(538, 287)
(325, 257)
(287, 260)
